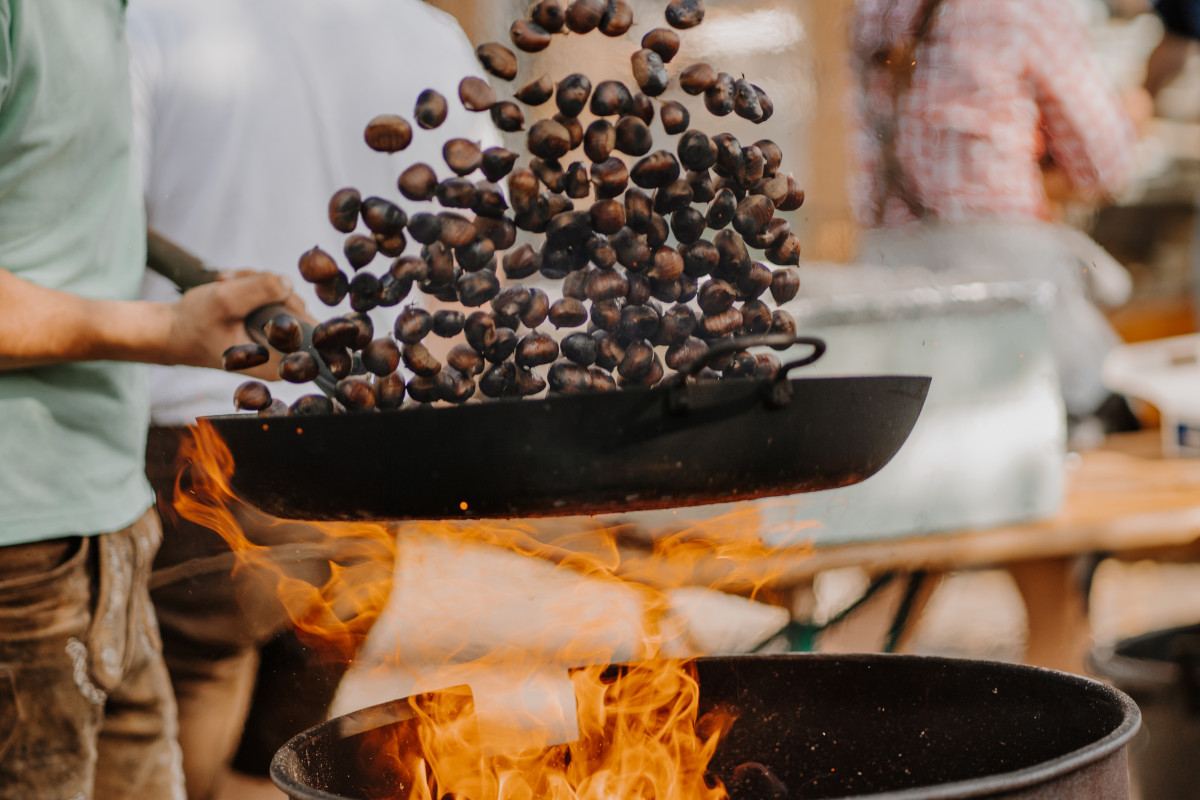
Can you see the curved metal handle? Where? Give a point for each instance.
(726, 346)
(818, 346)
(677, 392)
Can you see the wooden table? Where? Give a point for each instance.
(1123, 500)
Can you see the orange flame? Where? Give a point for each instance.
(639, 735)
(334, 616)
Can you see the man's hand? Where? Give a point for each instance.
(211, 318)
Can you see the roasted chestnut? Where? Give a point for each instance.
(251, 396)
(334, 332)
(752, 214)
(617, 18)
(356, 392)
(490, 206)
(507, 116)
(663, 41)
(688, 225)
(745, 100)
(497, 60)
(611, 98)
(571, 94)
(359, 250)
(584, 15)
(389, 391)
(431, 108)
(610, 177)
(337, 360)
(453, 386)
(675, 117)
(548, 14)
(574, 128)
(608, 352)
(364, 291)
(419, 360)
(284, 333)
(364, 326)
(496, 163)
(719, 97)
(456, 230)
(316, 266)
(535, 349)
(567, 377)
(418, 182)
(244, 356)
(413, 324)
(388, 133)
(464, 359)
(476, 94)
(697, 78)
(568, 313)
(520, 262)
(536, 92)
(332, 290)
(643, 108)
(343, 209)
(381, 357)
(311, 405)
(785, 252)
(649, 72)
(657, 169)
(608, 215)
(456, 193)
(633, 136)
(696, 150)
(476, 288)
(756, 317)
(548, 139)
(422, 389)
(683, 14)
(425, 227)
(581, 348)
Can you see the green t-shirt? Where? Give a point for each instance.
(72, 436)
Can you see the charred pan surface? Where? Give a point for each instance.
(562, 455)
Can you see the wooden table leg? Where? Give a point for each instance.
(1060, 634)
(866, 629)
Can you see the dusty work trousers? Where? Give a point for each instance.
(243, 680)
(85, 702)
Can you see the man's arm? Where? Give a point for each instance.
(1088, 132)
(40, 326)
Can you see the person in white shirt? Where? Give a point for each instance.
(248, 117)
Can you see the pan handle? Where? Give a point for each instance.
(677, 393)
(187, 271)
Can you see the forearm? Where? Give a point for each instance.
(41, 326)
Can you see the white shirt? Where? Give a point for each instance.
(250, 115)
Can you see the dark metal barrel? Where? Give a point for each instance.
(856, 726)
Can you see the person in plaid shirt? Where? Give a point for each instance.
(958, 109)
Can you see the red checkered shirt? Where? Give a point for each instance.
(998, 84)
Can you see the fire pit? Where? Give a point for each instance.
(889, 727)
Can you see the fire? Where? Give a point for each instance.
(633, 732)
(334, 617)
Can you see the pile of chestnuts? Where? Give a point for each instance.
(654, 270)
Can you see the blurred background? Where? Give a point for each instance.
(797, 50)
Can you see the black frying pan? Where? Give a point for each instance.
(673, 445)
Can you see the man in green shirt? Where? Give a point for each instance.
(85, 705)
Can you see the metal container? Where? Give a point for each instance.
(1161, 672)
(850, 726)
